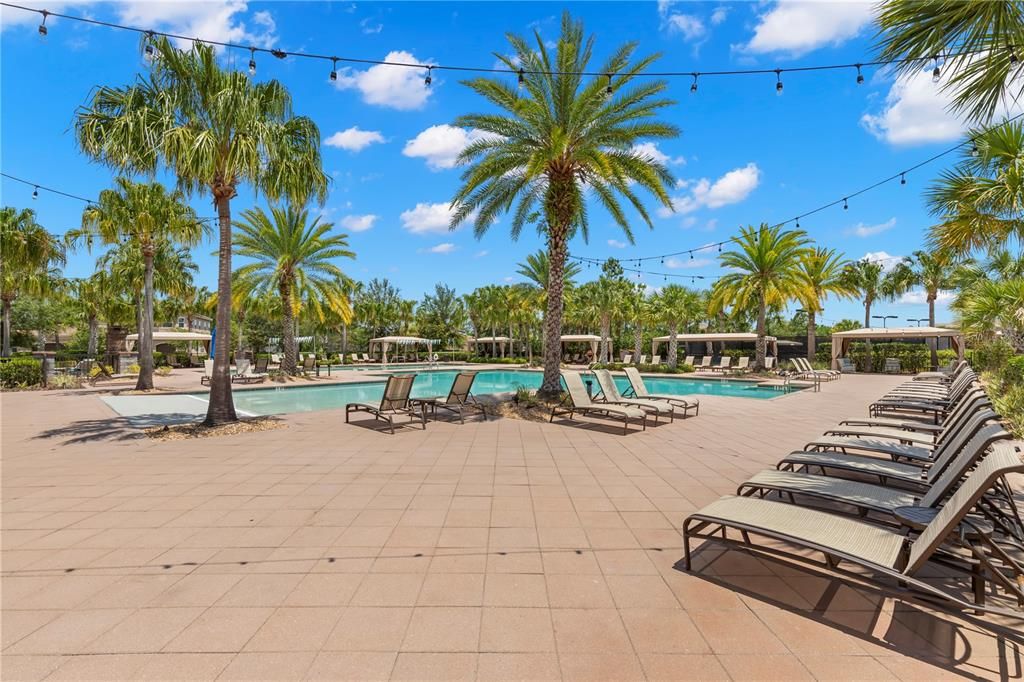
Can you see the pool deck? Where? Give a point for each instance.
(498, 550)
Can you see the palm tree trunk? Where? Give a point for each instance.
(867, 342)
(6, 327)
(222, 407)
(673, 344)
(552, 383)
(94, 333)
(932, 341)
(606, 331)
(761, 323)
(494, 342)
(145, 381)
(288, 325)
(638, 341)
(241, 334)
(812, 336)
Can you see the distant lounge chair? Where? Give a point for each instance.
(244, 372)
(207, 372)
(847, 366)
(742, 365)
(627, 359)
(769, 362)
(723, 364)
(639, 389)
(355, 358)
(394, 402)
(275, 358)
(579, 401)
(642, 360)
(367, 358)
(262, 364)
(892, 366)
(705, 362)
(688, 360)
(308, 364)
(460, 398)
(610, 394)
(656, 360)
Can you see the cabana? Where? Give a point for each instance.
(771, 344)
(171, 337)
(491, 341)
(386, 342)
(841, 340)
(592, 339)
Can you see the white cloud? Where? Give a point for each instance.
(214, 21)
(398, 87)
(650, 149)
(481, 253)
(687, 263)
(688, 222)
(370, 27)
(916, 111)
(358, 223)
(616, 244)
(689, 25)
(428, 218)
(796, 27)
(510, 279)
(446, 247)
(862, 230)
(731, 188)
(919, 297)
(719, 15)
(441, 145)
(883, 258)
(354, 139)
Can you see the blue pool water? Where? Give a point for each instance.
(311, 398)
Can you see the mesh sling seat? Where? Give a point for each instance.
(460, 397)
(610, 394)
(882, 552)
(394, 402)
(577, 400)
(638, 389)
(912, 432)
(975, 398)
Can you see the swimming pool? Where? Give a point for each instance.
(311, 398)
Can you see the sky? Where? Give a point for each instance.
(746, 154)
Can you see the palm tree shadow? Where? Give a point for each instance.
(112, 429)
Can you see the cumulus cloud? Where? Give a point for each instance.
(441, 145)
(862, 230)
(690, 26)
(481, 253)
(370, 27)
(916, 111)
(397, 87)
(795, 27)
(731, 188)
(427, 218)
(445, 247)
(920, 297)
(215, 21)
(616, 244)
(687, 263)
(358, 223)
(719, 15)
(883, 258)
(354, 139)
(650, 149)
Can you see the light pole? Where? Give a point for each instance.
(883, 318)
(918, 320)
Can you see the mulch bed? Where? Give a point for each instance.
(197, 430)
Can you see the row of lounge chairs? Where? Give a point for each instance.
(922, 480)
(398, 401)
(609, 402)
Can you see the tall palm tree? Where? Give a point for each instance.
(676, 306)
(145, 216)
(988, 35)
(934, 272)
(215, 130)
(91, 295)
(871, 282)
(638, 312)
(564, 136)
(765, 271)
(28, 257)
(821, 274)
(536, 269)
(991, 307)
(978, 203)
(292, 257)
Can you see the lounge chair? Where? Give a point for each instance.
(275, 358)
(627, 359)
(355, 358)
(945, 375)
(878, 551)
(367, 358)
(847, 366)
(207, 372)
(244, 372)
(705, 362)
(742, 365)
(642, 360)
(460, 398)
(688, 360)
(639, 389)
(610, 394)
(804, 369)
(262, 364)
(394, 402)
(723, 364)
(579, 401)
(308, 364)
(656, 360)
(769, 362)
(892, 366)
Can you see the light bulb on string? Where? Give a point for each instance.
(608, 88)
(975, 153)
(693, 85)
(846, 206)
(936, 72)
(334, 68)
(522, 78)
(798, 222)
(903, 178)
(252, 61)
(860, 76)
(149, 46)
(35, 192)
(429, 78)
(691, 255)
(778, 84)
(42, 27)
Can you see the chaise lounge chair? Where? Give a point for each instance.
(207, 373)
(627, 359)
(394, 402)
(705, 362)
(244, 372)
(723, 364)
(742, 365)
(610, 394)
(688, 360)
(656, 360)
(460, 398)
(579, 401)
(879, 552)
(639, 389)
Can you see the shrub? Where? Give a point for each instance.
(21, 373)
(134, 369)
(992, 355)
(65, 381)
(98, 370)
(163, 371)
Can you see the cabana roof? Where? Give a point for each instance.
(580, 337)
(712, 336)
(402, 340)
(490, 339)
(162, 337)
(897, 333)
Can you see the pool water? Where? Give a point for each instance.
(436, 383)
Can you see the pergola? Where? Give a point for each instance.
(841, 340)
(592, 339)
(386, 342)
(500, 340)
(771, 344)
(173, 337)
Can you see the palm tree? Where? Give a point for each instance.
(28, 256)
(871, 282)
(442, 315)
(639, 312)
(933, 271)
(214, 129)
(145, 216)
(821, 274)
(292, 257)
(566, 135)
(988, 35)
(765, 271)
(91, 295)
(978, 202)
(676, 305)
(991, 307)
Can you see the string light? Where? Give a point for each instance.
(903, 178)
(608, 88)
(280, 54)
(693, 85)
(252, 61)
(42, 26)
(35, 193)
(798, 222)
(860, 76)
(149, 45)
(846, 206)
(429, 79)
(778, 84)
(936, 73)
(974, 149)
(334, 69)
(522, 78)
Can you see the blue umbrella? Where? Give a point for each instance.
(213, 340)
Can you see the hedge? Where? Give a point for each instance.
(913, 357)
(21, 373)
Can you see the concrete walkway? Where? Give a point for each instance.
(498, 550)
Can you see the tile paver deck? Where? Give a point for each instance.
(497, 550)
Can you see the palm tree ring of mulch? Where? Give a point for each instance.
(198, 430)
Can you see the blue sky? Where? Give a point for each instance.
(745, 156)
